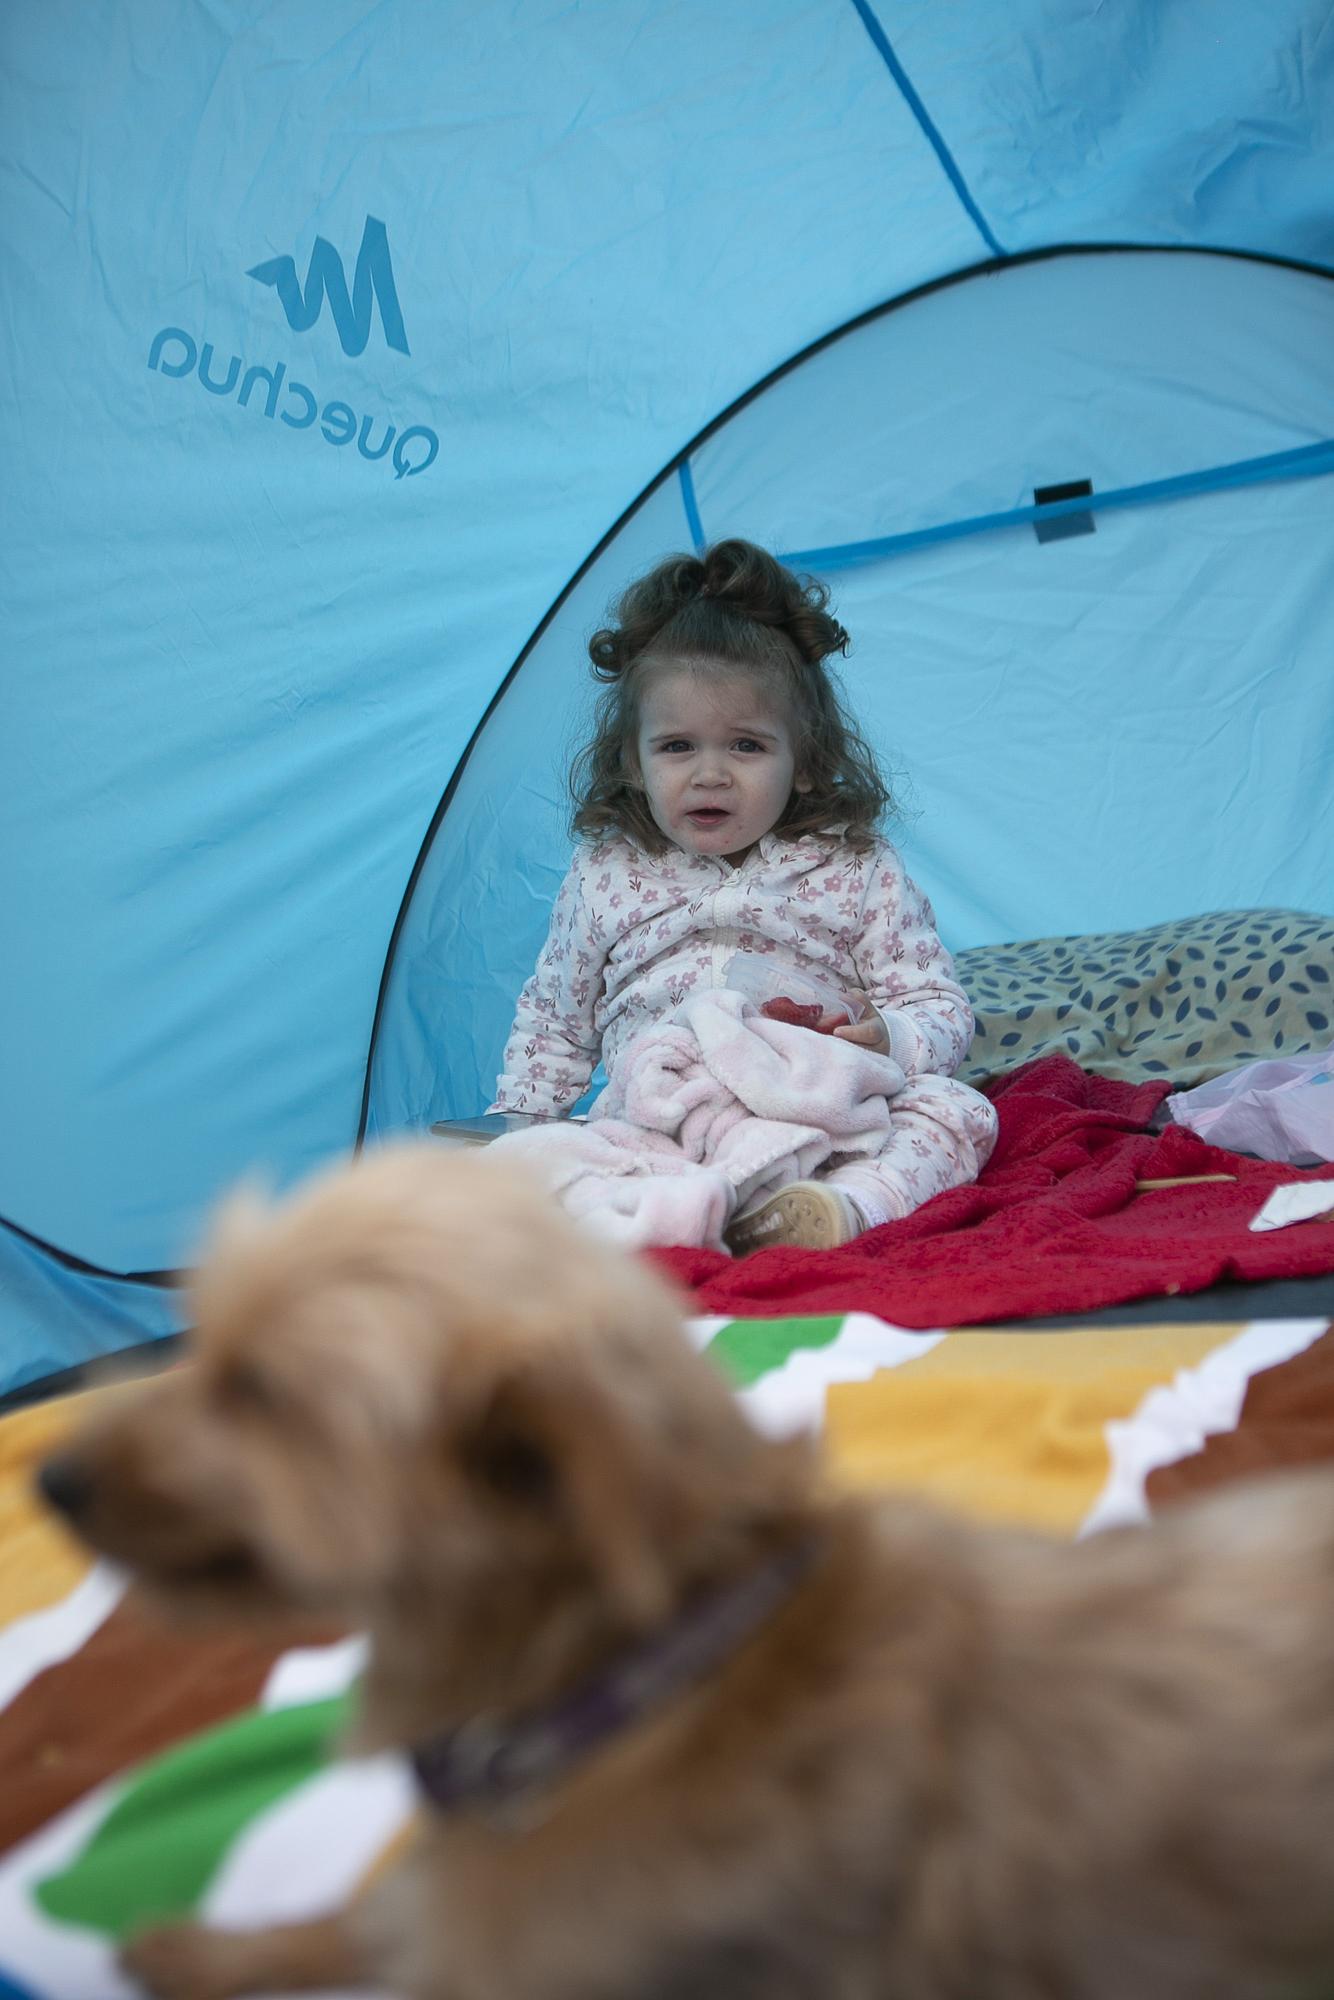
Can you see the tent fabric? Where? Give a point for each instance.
(54, 1316)
(1050, 704)
(249, 633)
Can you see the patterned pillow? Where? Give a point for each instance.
(1185, 1000)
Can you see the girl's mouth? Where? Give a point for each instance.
(707, 815)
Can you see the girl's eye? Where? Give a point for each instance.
(748, 743)
(677, 743)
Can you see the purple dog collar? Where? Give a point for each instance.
(492, 1767)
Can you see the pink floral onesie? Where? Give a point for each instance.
(632, 934)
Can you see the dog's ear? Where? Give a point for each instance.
(240, 1219)
(555, 1441)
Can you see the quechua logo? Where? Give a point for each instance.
(275, 392)
(326, 283)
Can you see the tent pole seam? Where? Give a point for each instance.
(885, 50)
(1314, 461)
(691, 505)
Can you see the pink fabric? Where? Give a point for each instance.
(1053, 1225)
(717, 1107)
(634, 935)
(634, 1187)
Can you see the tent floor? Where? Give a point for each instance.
(1276, 1298)
(1279, 1298)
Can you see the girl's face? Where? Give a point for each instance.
(716, 760)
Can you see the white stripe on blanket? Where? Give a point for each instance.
(706, 1111)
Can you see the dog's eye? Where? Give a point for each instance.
(512, 1466)
(243, 1390)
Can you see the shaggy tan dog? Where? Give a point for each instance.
(745, 1739)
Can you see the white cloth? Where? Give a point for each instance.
(633, 935)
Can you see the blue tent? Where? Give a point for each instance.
(356, 355)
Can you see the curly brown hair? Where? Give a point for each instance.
(735, 608)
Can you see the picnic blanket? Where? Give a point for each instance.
(147, 1773)
(1054, 1224)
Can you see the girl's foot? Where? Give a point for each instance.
(805, 1215)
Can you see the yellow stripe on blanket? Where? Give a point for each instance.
(1010, 1427)
(39, 1563)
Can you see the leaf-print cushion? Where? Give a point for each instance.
(1186, 1000)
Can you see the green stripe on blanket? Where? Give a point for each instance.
(746, 1349)
(163, 1841)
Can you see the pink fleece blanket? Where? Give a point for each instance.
(1054, 1224)
(707, 1111)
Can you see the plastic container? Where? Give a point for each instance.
(764, 979)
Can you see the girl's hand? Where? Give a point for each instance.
(869, 1034)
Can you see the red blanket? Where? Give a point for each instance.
(1054, 1225)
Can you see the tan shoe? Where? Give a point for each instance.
(806, 1215)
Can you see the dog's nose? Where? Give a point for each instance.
(66, 1484)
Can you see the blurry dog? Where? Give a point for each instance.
(689, 1726)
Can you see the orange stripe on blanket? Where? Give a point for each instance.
(1010, 1427)
(39, 1563)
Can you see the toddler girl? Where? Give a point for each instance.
(728, 804)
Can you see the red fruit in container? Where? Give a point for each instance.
(796, 1013)
(804, 1003)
